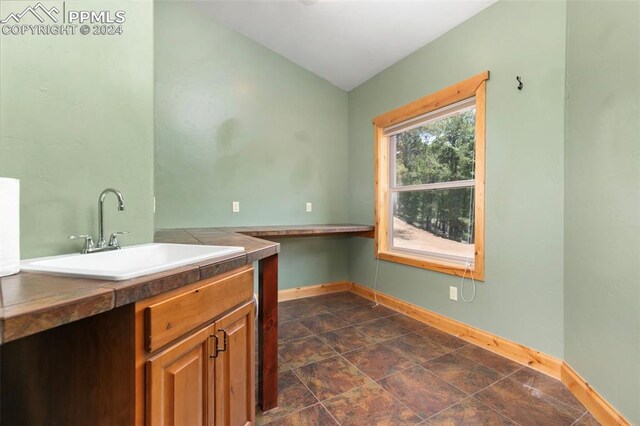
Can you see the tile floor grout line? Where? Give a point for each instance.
(481, 363)
(333, 314)
(319, 335)
(538, 390)
(335, 396)
(316, 397)
(349, 325)
(330, 413)
(295, 411)
(480, 402)
(385, 391)
(450, 406)
(438, 377)
(292, 412)
(376, 382)
(555, 399)
(362, 347)
(391, 374)
(326, 331)
(426, 360)
(498, 412)
(309, 363)
(490, 407)
(286, 415)
(499, 380)
(475, 362)
(382, 342)
(578, 419)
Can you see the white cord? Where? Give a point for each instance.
(473, 296)
(467, 267)
(375, 284)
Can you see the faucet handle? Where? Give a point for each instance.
(88, 241)
(113, 239)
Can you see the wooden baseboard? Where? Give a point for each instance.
(519, 353)
(313, 290)
(592, 400)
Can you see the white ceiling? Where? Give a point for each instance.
(345, 42)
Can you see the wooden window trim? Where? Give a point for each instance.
(474, 86)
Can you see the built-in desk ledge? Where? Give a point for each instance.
(283, 231)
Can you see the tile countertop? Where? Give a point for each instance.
(33, 302)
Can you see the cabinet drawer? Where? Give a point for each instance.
(169, 319)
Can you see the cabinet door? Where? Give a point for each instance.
(179, 379)
(234, 365)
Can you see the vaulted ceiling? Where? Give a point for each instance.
(344, 42)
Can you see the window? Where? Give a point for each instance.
(430, 180)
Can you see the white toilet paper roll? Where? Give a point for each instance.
(9, 226)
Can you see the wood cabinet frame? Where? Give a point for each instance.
(474, 86)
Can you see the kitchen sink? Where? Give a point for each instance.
(128, 262)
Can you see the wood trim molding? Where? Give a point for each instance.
(313, 290)
(474, 86)
(380, 197)
(590, 398)
(447, 96)
(421, 262)
(480, 172)
(514, 351)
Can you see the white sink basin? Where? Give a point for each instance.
(128, 262)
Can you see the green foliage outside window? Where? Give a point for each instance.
(440, 151)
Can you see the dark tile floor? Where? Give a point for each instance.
(344, 362)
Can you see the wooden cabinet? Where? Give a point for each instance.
(203, 377)
(234, 368)
(207, 378)
(184, 357)
(180, 383)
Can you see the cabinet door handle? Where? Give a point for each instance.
(215, 346)
(255, 308)
(224, 341)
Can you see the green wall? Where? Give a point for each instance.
(237, 122)
(602, 202)
(76, 116)
(522, 298)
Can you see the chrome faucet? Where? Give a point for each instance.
(89, 246)
(101, 242)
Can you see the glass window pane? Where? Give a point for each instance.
(436, 221)
(439, 151)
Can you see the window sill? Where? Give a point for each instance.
(438, 266)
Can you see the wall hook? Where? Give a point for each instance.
(520, 84)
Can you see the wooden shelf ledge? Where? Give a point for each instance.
(287, 231)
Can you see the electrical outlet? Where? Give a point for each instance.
(154, 204)
(453, 293)
(235, 206)
(309, 207)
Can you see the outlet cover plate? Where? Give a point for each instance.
(453, 293)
